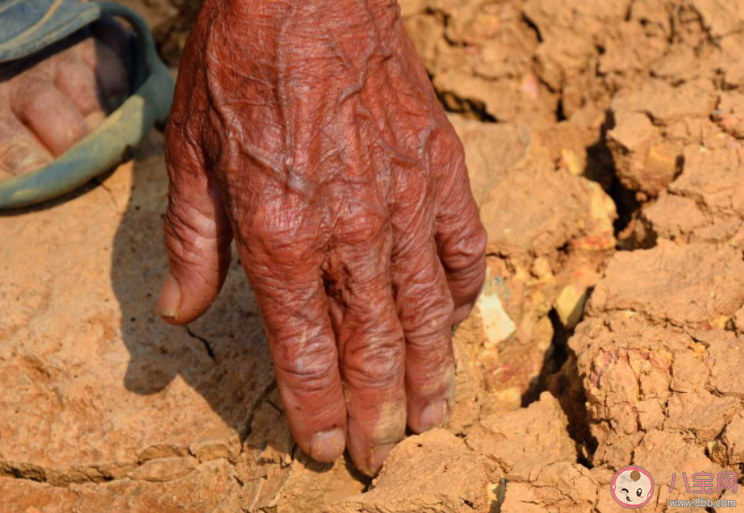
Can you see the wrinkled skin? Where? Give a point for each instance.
(309, 132)
(50, 101)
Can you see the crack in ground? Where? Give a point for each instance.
(63, 478)
(263, 398)
(204, 341)
(110, 193)
(96, 474)
(89, 475)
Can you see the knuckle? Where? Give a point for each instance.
(434, 375)
(363, 228)
(370, 224)
(428, 319)
(276, 222)
(189, 234)
(479, 242)
(311, 367)
(469, 251)
(286, 242)
(377, 363)
(176, 240)
(436, 319)
(462, 238)
(180, 229)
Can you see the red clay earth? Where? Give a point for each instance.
(604, 143)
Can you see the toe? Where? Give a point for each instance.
(49, 114)
(20, 151)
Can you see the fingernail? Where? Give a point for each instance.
(433, 415)
(170, 298)
(327, 446)
(462, 312)
(377, 457)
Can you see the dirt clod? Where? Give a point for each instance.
(651, 359)
(433, 472)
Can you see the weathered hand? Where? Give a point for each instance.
(308, 130)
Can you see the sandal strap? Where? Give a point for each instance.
(27, 26)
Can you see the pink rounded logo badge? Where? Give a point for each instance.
(632, 487)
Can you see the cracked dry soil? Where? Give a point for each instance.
(604, 143)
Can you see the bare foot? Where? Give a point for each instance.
(51, 100)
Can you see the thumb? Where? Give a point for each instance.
(197, 235)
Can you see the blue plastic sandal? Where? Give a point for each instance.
(27, 26)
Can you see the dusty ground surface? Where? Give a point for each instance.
(605, 145)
